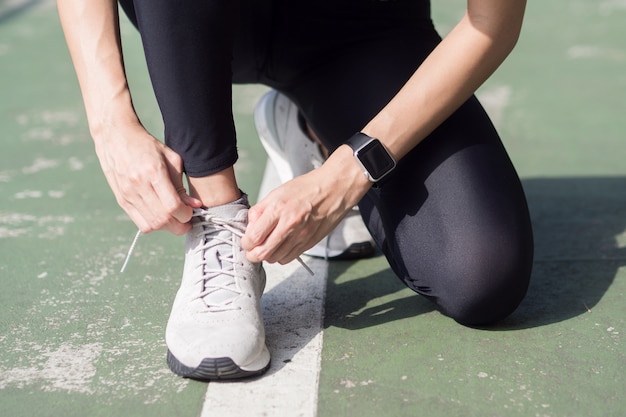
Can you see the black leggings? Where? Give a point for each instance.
(452, 219)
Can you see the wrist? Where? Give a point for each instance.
(348, 175)
(112, 114)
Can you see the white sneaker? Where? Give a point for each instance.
(293, 153)
(215, 329)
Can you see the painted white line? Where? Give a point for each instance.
(293, 310)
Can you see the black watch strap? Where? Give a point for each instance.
(357, 140)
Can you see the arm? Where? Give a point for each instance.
(463, 61)
(145, 175)
(302, 211)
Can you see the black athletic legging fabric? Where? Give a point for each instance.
(452, 219)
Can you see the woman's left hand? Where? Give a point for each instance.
(298, 214)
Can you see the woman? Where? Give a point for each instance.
(450, 216)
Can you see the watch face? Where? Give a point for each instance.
(375, 159)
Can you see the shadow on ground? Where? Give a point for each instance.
(580, 243)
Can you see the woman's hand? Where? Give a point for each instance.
(298, 214)
(144, 174)
(146, 178)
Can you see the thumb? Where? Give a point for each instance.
(193, 202)
(254, 213)
(176, 176)
(189, 200)
(251, 237)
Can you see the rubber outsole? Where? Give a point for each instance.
(359, 250)
(211, 369)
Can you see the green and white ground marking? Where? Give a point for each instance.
(77, 338)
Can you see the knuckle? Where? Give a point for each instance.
(254, 237)
(263, 255)
(171, 206)
(160, 222)
(121, 201)
(134, 177)
(126, 189)
(175, 159)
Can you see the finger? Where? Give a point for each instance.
(175, 173)
(170, 199)
(284, 244)
(137, 217)
(175, 169)
(188, 200)
(127, 204)
(294, 245)
(177, 215)
(145, 207)
(260, 225)
(255, 212)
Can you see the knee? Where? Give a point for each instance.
(485, 306)
(486, 288)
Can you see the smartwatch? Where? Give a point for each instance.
(372, 156)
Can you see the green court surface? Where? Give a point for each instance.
(77, 338)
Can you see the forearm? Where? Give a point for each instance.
(91, 30)
(450, 75)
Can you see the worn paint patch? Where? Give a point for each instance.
(40, 164)
(58, 127)
(68, 368)
(595, 52)
(73, 338)
(607, 7)
(43, 227)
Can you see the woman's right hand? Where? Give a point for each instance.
(144, 174)
(146, 178)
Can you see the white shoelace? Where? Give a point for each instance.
(130, 251)
(213, 279)
(136, 238)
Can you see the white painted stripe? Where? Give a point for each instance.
(293, 310)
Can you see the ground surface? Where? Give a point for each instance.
(80, 339)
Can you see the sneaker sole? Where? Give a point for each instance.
(360, 250)
(279, 161)
(211, 369)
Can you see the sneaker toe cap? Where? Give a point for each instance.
(191, 345)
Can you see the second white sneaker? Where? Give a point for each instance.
(215, 329)
(293, 153)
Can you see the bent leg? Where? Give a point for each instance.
(188, 51)
(452, 219)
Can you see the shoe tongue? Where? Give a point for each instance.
(217, 256)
